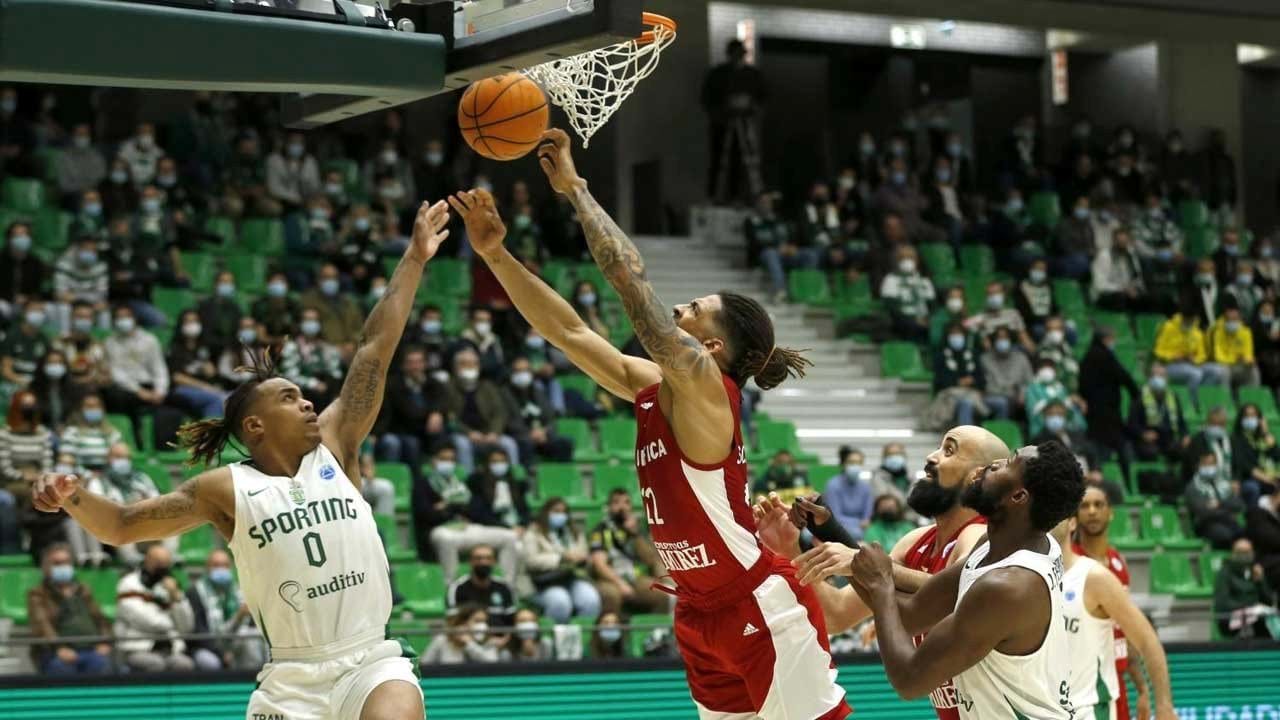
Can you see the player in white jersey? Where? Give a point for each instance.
(995, 621)
(313, 569)
(1094, 602)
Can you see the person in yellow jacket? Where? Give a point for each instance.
(1181, 346)
(1231, 342)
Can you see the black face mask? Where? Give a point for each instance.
(482, 571)
(29, 413)
(890, 516)
(619, 518)
(930, 499)
(152, 577)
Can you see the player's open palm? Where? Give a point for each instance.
(51, 490)
(429, 229)
(556, 158)
(485, 229)
(774, 525)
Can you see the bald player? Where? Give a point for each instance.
(919, 554)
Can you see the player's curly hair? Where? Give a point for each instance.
(1056, 483)
(205, 439)
(751, 341)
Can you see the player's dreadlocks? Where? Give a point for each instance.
(751, 340)
(205, 439)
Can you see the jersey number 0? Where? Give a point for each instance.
(315, 549)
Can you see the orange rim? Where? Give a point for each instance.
(655, 21)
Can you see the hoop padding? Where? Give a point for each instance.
(590, 87)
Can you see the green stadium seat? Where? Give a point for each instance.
(561, 480)
(17, 560)
(194, 546)
(1201, 242)
(820, 475)
(262, 236)
(808, 287)
(125, 426)
(938, 258)
(854, 299)
(158, 472)
(224, 228)
(390, 533)
(1123, 534)
(14, 584)
(201, 268)
(173, 301)
(1068, 296)
(401, 476)
(51, 229)
(584, 444)
(23, 194)
(250, 272)
(1192, 214)
(449, 277)
(1209, 397)
(1147, 326)
(46, 161)
(1007, 430)
(102, 583)
(775, 435)
(423, 586)
(1134, 496)
(556, 273)
(1171, 574)
(607, 477)
(1162, 526)
(585, 386)
(902, 360)
(618, 438)
(977, 258)
(1118, 322)
(1044, 209)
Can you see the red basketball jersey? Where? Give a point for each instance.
(1118, 567)
(926, 556)
(699, 515)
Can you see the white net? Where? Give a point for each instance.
(590, 87)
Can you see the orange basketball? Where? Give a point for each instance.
(503, 117)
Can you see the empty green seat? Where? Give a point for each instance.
(14, 584)
(1171, 574)
(1201, 242)
(902, 360)
(584, 444)
(401, 476)
(1162, 526)
(250, 272)
(102, 583)
(1007, 430)
(977, 258)
(561, 480)
(1147, 326)
(125, 426)
(23, 194)
(585, 386)
(808, 287)
(450, 277)
(1044, 209)
(1068, 296)
(16, 560)
(194, 546)
(158, 472)
(423, 587)
(223, 227)
(262, 236)
(1192, 214)
(173, 301)
(820, 475)
(201, 268)
(390, 533)
(938, 258)
(607, 477)
(1209, 397)
(51, 229)
(1118, 322)
(618, 438)
(1123, 534)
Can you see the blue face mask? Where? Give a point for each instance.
(21, 243)
(62, 574)
(1003, 345)
(898, 177)
(277, 289)
(1013, 207)
(247, 335)
(1209, 472)
(588, 299)
(943, 175)
(895, 463)
(1215, 431)
(1055, 423)
(329, 286)
(610, 634)
(1037, 276)
(310, 328)
(1082, 213)
(956, 342)
(499, 469)
(1158, 383)
(1249, 423)
(220, 576)
(226, 290)
(93, 416)
(557, 520)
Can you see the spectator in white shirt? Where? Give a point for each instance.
(292, 174)
(141, 153)
(908, 295)
(81, 166)
(151, 607)
(139, 375)
(1118, 283)
(80, 275)
(998, 315)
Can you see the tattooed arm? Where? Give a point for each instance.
(205, 498)
(346, 423)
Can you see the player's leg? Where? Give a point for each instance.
(718, 694)
(380, 683)
(394, 700)
(297, 691)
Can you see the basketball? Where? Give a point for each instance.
(503, 117)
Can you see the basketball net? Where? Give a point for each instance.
(590, 87)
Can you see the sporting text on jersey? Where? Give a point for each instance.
(316, 512)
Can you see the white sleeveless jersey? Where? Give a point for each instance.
(1089, 641)
(1019, 687)
(311, 565)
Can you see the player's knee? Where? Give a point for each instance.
(393, 700)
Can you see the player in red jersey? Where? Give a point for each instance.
(920, 553)
(753, 639)
(1092, 520)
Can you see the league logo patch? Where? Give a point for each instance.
(1071, 595)
(327, 472)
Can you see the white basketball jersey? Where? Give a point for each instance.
(1019, 687)
(311, 565)
(1089, 641)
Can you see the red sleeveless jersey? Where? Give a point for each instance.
(1118, 567)
(926, 556)
(699, 515)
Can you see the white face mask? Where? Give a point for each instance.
(522, 378)
(469, 374)
(527, 630)
(192, 329)
(482, 328)
(955, 305)
(479, 631)
(1046, 375)
(906, 266)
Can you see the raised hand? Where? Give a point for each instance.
(51, 490)
(823, 561)
(557, 161)
(808, 507)
(871, 568)
(774, 526)
(485, 230)
(429, 229)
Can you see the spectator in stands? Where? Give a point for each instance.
(1266, 343)
(89, 435)
(586, 301)
(1153, 232)
(379, 492)
(1034, 297)
(1074, 242)
(432, 176)
(132, 272)
(79, 166)
(22, 273)
(481, 337)
(1101, 394)
(292, 175)
(1265, 263)
(1157, 424)
(1227, 258)
(80, 275)
(1231, 345)
(388, 177)
(139, 376)
(1020, 154)
(1046, 388)
(86, 357)
(1213, 500)
(335, 192)
(892, 472)
(850, 200)
(943, 201)
(141, 153)
(237, 356)
(1008, 231)
(220, 314)
(1006, 374)
(908, 294)
(957, 383)
(311, 363)
(481, 588)
(152, 609)
(1118, 282)
(26, 445)
(1181, 346)
(782, 476)
(1207, 291)
(531, 419)
(16, 138)
(1056, 425)
(1220, 182)
(62, 606)
(848, 495)
(119, 197)
(357, 247)
(527, 643)
(1243, 290)
(445, 525)
(620, 548)
(819, 221)
(1083, 177)
(465, 640)
(1057, 346)
(277, 311)
(155, 234)
(1243, 600)
(899, 196)
(952, 310)
(195, 380)
(887, 525)
(122, 481)
(1262, 526)
(476, 410)
(218, 608)
(428, 335)
(997, 314)
(57, 395)
(1255, 458)
(23, 346)
(414, 412)
(608, 640)
(554, 551)
(89, 220)
(340, 315)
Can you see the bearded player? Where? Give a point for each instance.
(313, 569)
(753, 639)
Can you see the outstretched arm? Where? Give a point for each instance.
(1104, 589)
(346, 423)
(544, 309)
